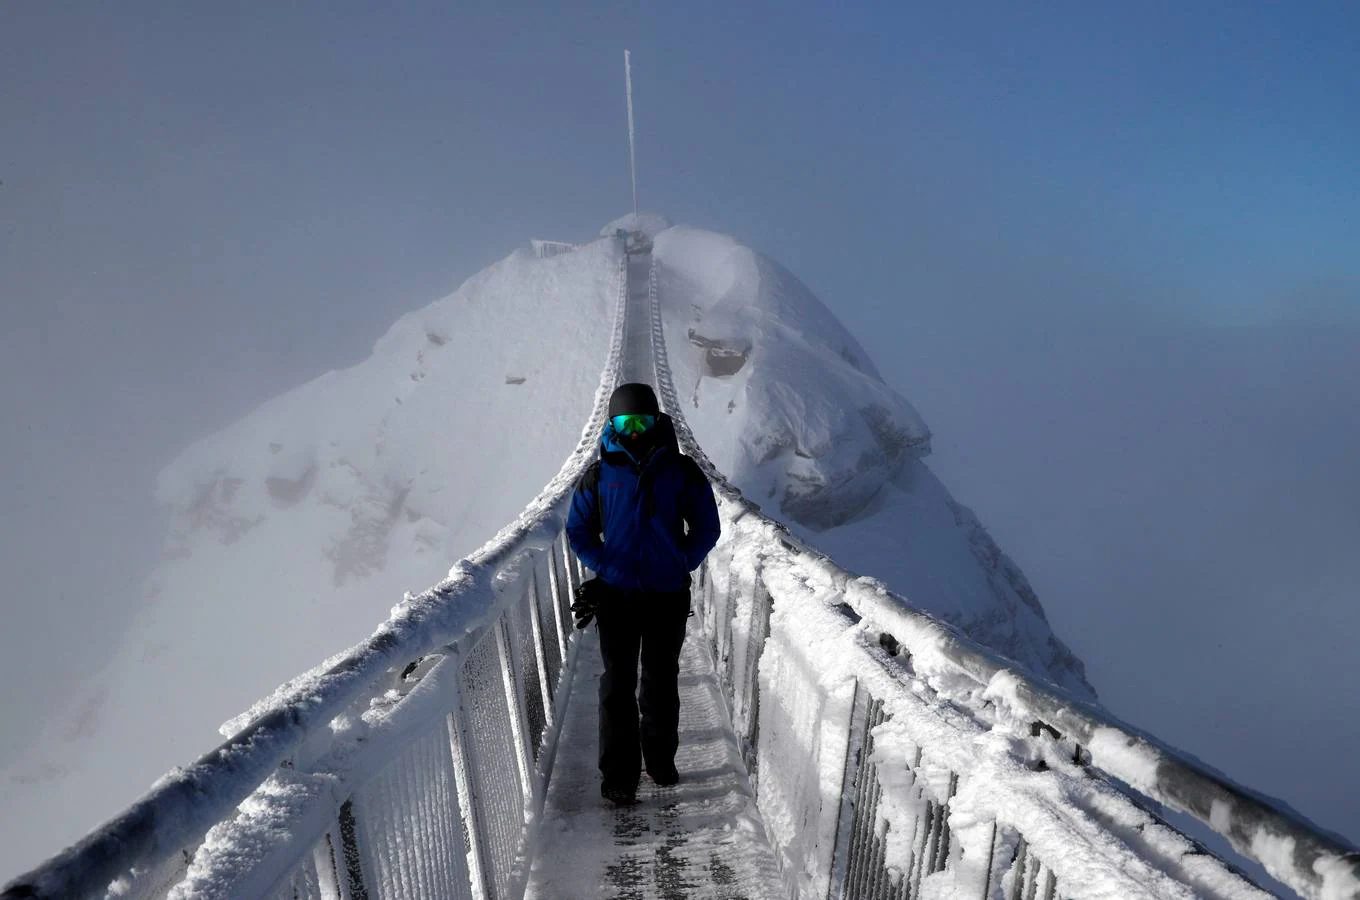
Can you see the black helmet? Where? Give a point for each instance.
(633, 398)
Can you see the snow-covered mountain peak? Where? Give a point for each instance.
(784, 399)
(786, 402)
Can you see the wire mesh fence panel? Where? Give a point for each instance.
(857, 832)
(487, 738)
(408, 824)
(727, 612)
(325, 859)
(717, 624)
(467, 821)
(521, 632)
(304, 884)
(1026, 877)
(561, 596)
(533, 670)
(746, 710)
(707, 599)
(569, 579)
(803, 733)
(578, 572)
(508, 632)
(550, 639)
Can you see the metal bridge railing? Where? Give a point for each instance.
(888, 751)
(407, 766)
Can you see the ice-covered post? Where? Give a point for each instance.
(632, 158)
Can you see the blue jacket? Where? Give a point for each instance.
(629, 516)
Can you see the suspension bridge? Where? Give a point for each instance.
(835, 743)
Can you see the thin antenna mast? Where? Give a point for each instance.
(632, 158)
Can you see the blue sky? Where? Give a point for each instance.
(1042, 220)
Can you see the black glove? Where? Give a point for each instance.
(586, 601)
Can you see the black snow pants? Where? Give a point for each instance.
(639, 721)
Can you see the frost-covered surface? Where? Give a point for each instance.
(958, 728)
(702, 838)
(787, 404)
(1094, 841)
(297, 528)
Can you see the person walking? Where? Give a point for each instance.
(642, 518)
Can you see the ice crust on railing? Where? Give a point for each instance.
(967, 676)
(964, 710)
(1261, 827)
(1087, 831)
(288, 802)
(290, 811)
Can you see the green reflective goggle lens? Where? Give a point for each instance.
(633, 424)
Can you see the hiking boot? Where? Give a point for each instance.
(664, 775)
(619, 796)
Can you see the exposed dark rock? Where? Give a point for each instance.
(722, 356)
(895, 442)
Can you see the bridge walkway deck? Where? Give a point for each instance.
(700, 840)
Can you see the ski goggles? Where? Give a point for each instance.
(632, 423)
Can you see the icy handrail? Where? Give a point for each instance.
(1309, 860)
(452, 615)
